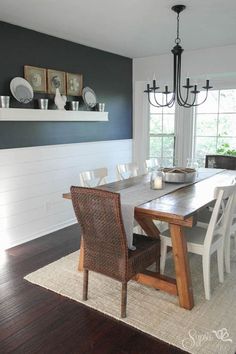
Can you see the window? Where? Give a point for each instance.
(215, 123)
(162, 133)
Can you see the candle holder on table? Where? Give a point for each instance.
(157, 180)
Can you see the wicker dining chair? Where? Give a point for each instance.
(105, 246)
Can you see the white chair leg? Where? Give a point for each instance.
(227, 255)
(220, 262)
(163, 256)
(206, 275)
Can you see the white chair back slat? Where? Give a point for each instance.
(213, 224)
(94, 178)
(151, 164)
(126, 170)
(229, 227)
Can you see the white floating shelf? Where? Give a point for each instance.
(20, 114)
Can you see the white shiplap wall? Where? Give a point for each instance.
(33, 179)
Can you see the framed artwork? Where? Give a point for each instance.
(74, 84)
(56, 79)
(36, 77)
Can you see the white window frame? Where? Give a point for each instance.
(184, 123)
(194, 118)
(161, 135)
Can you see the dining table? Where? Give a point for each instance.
(180, 209)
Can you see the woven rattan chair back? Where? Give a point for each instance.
(105, 245)
(99, 215)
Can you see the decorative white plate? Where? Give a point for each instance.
(89, 97)
(21, 90)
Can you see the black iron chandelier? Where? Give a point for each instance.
(189, 98)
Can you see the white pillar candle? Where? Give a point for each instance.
(158, 183)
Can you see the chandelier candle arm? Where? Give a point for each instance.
(188, 86)
(177, 95)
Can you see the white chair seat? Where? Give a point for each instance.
(195, 238)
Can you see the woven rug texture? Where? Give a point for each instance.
(209, 328)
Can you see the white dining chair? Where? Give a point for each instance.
(204, 218)
(126, 170)
(93, 178)
(151, 164)
(204, 240)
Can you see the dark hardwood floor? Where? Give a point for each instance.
(35, 320)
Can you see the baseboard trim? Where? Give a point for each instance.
(44, 232)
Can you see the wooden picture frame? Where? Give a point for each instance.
(56, 79)
(74, 84)
(36, 77)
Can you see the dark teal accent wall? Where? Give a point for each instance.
(109, 75)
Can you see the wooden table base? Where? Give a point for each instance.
(157, 281)
(182, 270)
(182, 286)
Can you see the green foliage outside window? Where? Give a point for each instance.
(225, 149)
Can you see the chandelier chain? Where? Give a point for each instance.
(177, 39)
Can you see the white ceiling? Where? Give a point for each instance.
(133, 28)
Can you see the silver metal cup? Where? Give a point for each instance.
(75, 105)
(101, 107)
(43, 103)
(4, 101)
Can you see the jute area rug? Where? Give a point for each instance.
(209, 328)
